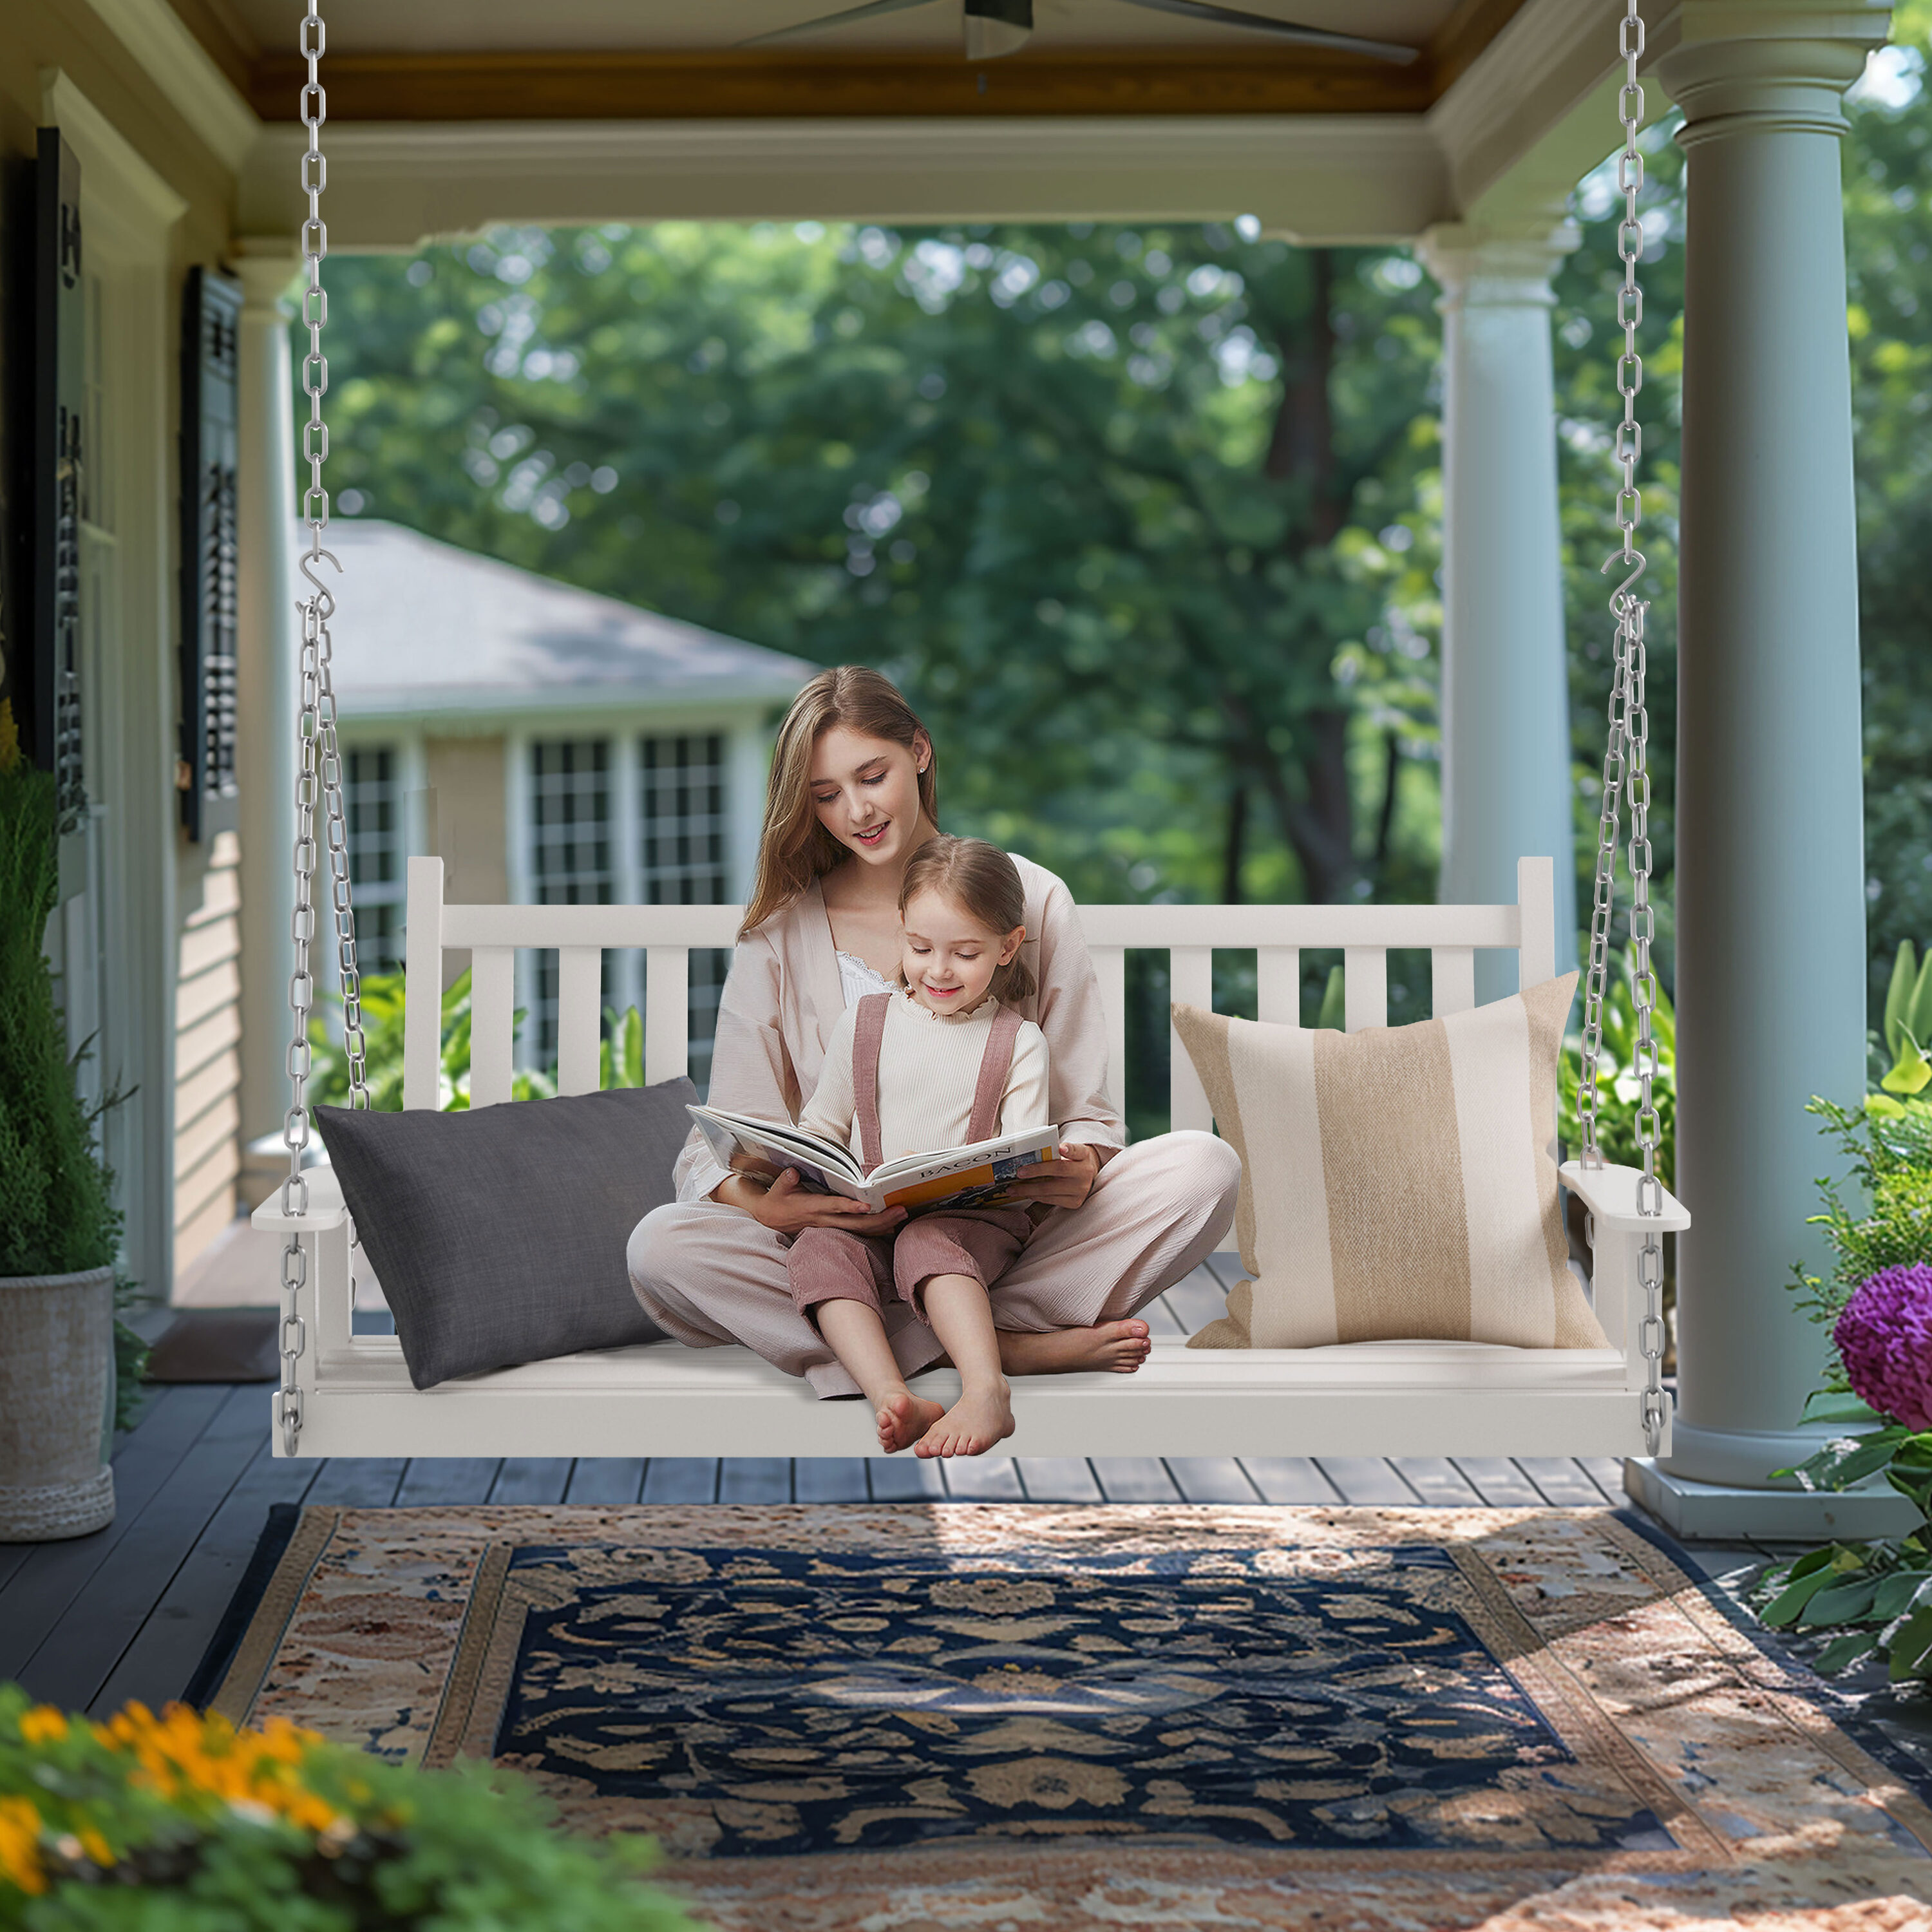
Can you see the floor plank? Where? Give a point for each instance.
(1500, 1483)
(1057, 1479)
(358, 1482)
(613, 1480)
(1289, 1479)
(1437, 1481)
(1135, 1479)
(1210, 1479)
(156, 1666)
(1607, 1473)
(1366, 1481)
(830, 1479)
(980, 1479)
(1559, 1482)
(904, 1478)
(755, 1479)
(73, 1661)
(681, 1479)
(1197, 1300)
(430, 1481)
(532, 1479)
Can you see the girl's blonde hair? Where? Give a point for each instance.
(985, 884)
(794, 849)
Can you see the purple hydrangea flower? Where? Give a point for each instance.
(1884, 1336)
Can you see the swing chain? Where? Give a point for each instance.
(318, 763)
(1626, 768)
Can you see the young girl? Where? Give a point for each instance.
(942, 1063)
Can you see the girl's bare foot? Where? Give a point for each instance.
(971, 1426)
(1121, 1346)
(904, 1418)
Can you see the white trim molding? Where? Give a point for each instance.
(1316, 177)
(186, 74)
(106, 155)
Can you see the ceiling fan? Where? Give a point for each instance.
(997, 27)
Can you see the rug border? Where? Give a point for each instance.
(314, 1531)
(243, 1602)
(1848, 1716)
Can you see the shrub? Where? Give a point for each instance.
(180, 1823)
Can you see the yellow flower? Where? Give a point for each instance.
(43, 1725)
(19, 1845)
(95, 1846)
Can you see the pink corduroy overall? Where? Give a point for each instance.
(831, 1264)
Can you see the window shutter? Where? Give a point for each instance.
(49, 707)
(209, 444)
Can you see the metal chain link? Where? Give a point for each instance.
(318, 767)
(1626, 767)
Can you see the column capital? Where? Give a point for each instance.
(265, 265)
(1496, 265)
(1768, 66)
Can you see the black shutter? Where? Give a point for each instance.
(50, 706)
(210, 331)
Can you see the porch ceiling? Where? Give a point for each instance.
(504, 60)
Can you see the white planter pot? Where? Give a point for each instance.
(56, 1356)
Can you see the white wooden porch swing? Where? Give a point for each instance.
(344, 1394)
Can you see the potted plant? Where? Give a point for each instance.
(58, 1227)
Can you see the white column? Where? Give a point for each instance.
(1505, 674)
(1770, 887)
(265, 678)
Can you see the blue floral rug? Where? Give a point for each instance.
(853, 1715)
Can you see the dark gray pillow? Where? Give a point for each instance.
(499, 1235)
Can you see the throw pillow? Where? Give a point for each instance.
(1398, 1183)
(498, 1234)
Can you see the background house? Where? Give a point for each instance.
(551, 745)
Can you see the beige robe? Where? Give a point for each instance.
(710, 1274)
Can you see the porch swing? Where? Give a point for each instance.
(346, 1394)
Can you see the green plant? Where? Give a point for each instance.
(1887, 1146)
(179, 1822)
(57, 1212)
(1617, 1081)
(1908, 1023)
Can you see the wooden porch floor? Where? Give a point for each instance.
(128, 1613)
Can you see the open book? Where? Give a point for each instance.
(966, 1177)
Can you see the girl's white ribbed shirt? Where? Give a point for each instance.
(928, 1069)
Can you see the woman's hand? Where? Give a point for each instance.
(786, 1208)
(1065, 1181)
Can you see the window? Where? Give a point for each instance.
(372, 803)
(571, 851)
(682, 851)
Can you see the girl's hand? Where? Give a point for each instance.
(1065, 1181)
(785, 1208)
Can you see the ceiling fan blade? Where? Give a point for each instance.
(996, 27)
(871, 11)
(1308, 36)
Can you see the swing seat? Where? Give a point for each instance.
(1418, 1398)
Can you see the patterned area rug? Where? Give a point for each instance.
(895, 1717)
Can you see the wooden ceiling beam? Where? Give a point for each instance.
(625, 86)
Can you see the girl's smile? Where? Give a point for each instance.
(947, 958)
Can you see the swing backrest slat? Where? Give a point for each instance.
(1188, 934)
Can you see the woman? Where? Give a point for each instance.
(852, 796)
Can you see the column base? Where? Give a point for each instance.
(1721, 1513)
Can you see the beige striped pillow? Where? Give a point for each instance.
(1397, 1183)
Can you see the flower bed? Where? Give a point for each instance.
(179, 1822)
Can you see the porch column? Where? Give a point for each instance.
(1770, 884)
(1505, 688)
(266, 677)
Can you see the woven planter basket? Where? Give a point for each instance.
(56, 1354)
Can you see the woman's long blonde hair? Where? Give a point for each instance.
(794, 849)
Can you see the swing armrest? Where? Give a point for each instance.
(1610, 1195)
(326, 1208)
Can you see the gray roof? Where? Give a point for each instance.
(422, 626)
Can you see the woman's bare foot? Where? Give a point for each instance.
(904, 1418)
(971, 1426)
(1121, 1346)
